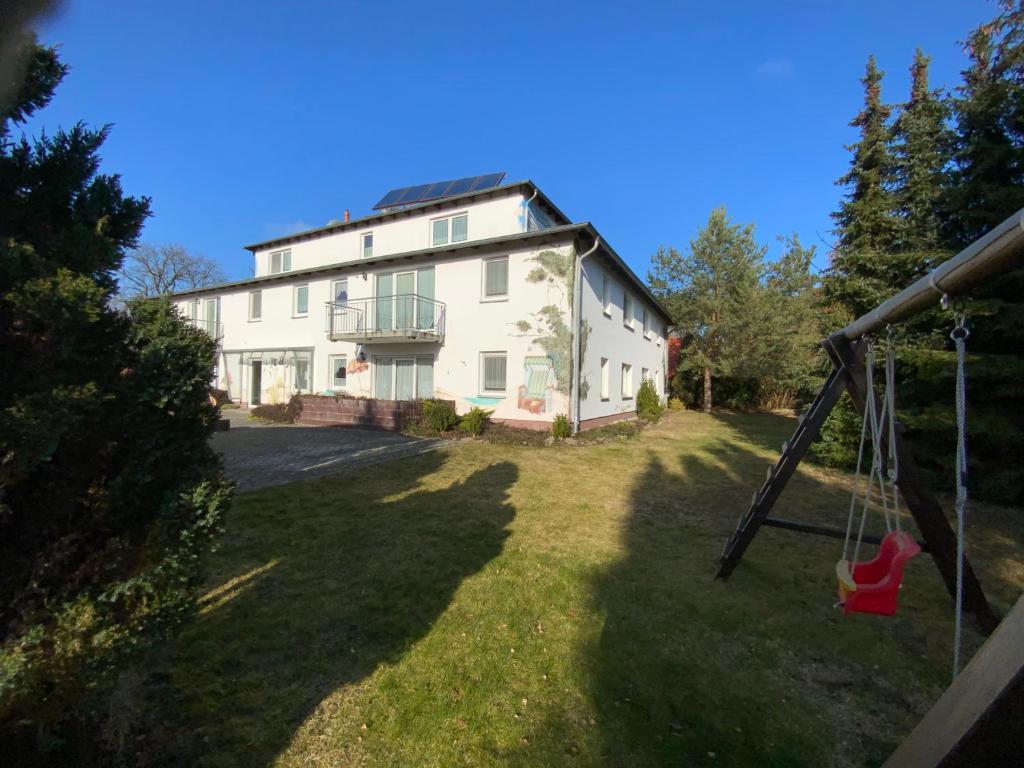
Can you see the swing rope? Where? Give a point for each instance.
(873, 423)
(959, 336)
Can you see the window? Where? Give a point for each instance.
(493, 372)
(644, 375)
(605, 378)
(451, 229)
(440, 232)
(367, 245)
(255, 305)
(302, 365)
(301, 304)
(339, 370)
(496, 278)
(606, 295)
(280, 261)
(627, 381)
(403, 378)
(339, 289)
(646, 326)
(627, 311)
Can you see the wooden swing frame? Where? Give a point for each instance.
(999, 250)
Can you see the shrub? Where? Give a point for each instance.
(475, 421)
(560, 427)
(675, 404)
(281, 413)
(439, 415)
(648, 403)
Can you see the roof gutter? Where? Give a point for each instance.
(577, 341)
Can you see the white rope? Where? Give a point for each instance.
(959, 336)
(890, 396)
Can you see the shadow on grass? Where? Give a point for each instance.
(327, 581)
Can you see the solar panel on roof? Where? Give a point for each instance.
(422, 193)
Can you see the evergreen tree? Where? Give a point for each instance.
(109, 490)
(709, 292)
(867, 227)
(922, 151)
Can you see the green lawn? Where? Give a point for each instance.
(504, 605)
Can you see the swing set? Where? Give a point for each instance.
(887, 474)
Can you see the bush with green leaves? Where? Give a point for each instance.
(560, 427)
(648, 402)
(439, 415)
(281, 413)
(475, 421)
(109, 490)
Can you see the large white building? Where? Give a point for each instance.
(475, 291)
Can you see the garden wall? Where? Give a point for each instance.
(319, 410)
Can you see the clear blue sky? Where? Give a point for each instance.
(246, 120)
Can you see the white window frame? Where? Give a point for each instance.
(394, 371)
(252, 294)
(309, 373)
(284, 261)
(606, 294)
(626, 385)
(334, 288)
(483, 279)
(645, 374)
(645, 323)
(331, 383)
(628, 311)
(295, 300)
(449, 228)
(362, 245)
(484, 392)
(606, 382)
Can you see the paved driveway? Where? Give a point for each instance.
(258, 455)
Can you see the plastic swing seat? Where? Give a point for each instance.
(873, 586)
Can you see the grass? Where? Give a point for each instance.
(504, 605)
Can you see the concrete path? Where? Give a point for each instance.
(258, 455)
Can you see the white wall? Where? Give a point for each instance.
(614, 340)
(473, 325)
(494, 217)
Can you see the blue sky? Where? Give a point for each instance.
(249, 120)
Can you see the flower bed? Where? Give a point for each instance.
(326, 410)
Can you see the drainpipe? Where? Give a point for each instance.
(577, 342)
(526, 211)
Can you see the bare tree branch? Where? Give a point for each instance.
(158, 270)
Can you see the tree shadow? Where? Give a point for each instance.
(324, 582)
(760, 670)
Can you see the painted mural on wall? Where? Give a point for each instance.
(543, 375)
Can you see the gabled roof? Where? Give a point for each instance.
(447, 202)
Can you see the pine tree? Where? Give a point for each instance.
(922, 146)
(709, 291)
(866, 223)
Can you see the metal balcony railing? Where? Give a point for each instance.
(386, 318)
(212, 327)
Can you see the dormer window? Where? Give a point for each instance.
(280, 261)
(450, 229)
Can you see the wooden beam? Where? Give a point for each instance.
(924, 507)
(822, 530)
(979, 720)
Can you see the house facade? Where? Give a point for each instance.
(490, 298)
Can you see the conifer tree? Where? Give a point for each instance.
(866, 222)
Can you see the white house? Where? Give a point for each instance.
(471, 290)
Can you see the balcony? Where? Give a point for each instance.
(212, 327)
(386, 319)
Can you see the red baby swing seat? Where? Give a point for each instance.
(873, 586)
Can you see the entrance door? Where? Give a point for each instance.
(405, 289)
(257, 382)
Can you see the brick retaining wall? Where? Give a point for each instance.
(319, 410)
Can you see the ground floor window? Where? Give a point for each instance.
(339, 371)
(493, 372)
(403, 378)
(627, 381)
